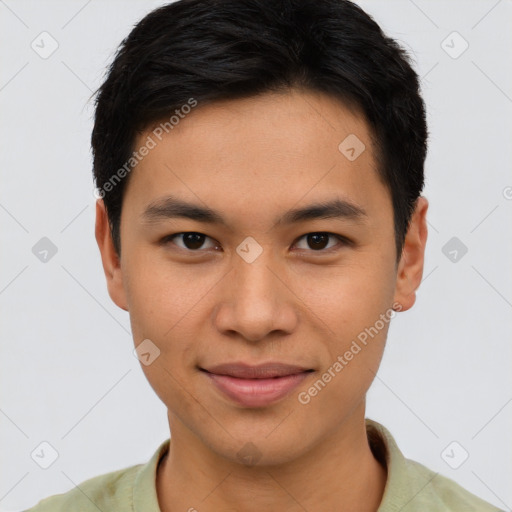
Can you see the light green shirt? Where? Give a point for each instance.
(410, 486)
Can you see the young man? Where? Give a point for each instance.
(259, 167)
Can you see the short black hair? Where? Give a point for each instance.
(203, 51)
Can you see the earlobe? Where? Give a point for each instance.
(109, 257)
(410, 267)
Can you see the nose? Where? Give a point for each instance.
(256, 301)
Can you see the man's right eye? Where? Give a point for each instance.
(189, 241)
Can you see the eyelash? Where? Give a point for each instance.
(343, 241)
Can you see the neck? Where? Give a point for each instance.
(340, 473)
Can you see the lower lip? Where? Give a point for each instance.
(257, 392)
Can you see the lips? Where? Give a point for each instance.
(256, 386)
(261, 371)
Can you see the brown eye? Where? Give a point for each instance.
(317, 240)
(190, 240)
(320, 241)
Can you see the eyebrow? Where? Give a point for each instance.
(172, 207)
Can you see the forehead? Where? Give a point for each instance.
(266, 151)
(314, 122)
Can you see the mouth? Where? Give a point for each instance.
(258, 385)
(260, 371)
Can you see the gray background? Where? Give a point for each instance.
(68, 375)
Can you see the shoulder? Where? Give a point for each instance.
(124, 490)
(439, 493)
(412, 487)
(108, 492)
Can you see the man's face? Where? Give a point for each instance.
(304, 300)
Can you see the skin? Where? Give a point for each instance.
(252, 160)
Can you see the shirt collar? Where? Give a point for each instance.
(407, 481)
(145, 498)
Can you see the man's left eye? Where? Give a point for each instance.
(320, 241)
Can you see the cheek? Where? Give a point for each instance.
(164, 304)
(353, 306)
(160, 295)
(349, 297)
(159, 314)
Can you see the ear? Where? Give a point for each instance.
(109, 258)
(410, 266)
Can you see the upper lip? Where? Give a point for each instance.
(260, 371)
